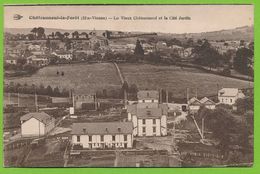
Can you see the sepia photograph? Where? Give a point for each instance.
(128, 86)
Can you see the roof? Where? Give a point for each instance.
(161, 110)
(148, 94)
(207, 101)
(194, 101)
(62, 52)
(10, 58)
(41, 116)
(149, 112)
(228, 92)
(102, 128)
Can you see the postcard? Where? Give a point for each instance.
(128, 86)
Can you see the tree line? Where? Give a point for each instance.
(34, 89)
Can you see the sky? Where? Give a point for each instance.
(198, 18)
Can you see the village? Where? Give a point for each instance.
(48, 126)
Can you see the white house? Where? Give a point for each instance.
(36, 124)
(149, 117)
(63, 55)
(38, 60)
(103, 135)
(208, 103)
(229, 95)
(34, 47)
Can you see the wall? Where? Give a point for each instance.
(32, 127)
(96, 141)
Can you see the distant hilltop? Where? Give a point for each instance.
(240, 33)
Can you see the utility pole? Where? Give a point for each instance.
(36, 102)
(167, 97)
(18, 100)
(196, 92)
(9, 98)
(202, 128)
(187, 95)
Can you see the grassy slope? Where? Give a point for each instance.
(86, 78)
(177, 80)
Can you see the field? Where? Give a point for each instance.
(86, 78)
(176, 79)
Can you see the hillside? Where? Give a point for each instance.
(241, 33)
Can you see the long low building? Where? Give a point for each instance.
(103, 135)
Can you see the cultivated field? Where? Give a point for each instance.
(176, 79)
(86, 78)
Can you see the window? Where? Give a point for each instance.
(102, 137)
(143, 121)
(113, 138)
(230, 100)
(154, 121)
(78, 138)
(154, 129)
(143, 101)
(90, 138)
(125, 137)
(152, 101)
(143, 129)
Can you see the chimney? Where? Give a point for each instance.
(119, 129)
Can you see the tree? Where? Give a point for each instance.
(245, 104)
(68, 44)
(218, 121)
(40, 32)
(56, 92)
(75, 34)
(66, 34)
(138, 49)
(86, 34)
(125, 86)
(34, 31)
(49, 91)
(31, 36)
(59, 35)
(206, 55)
(48, 43)
(242, 60)
(21, 61)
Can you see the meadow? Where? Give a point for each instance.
(84, 78)
(177, 80)
(88, 78)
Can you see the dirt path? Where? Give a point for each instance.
(119, 73)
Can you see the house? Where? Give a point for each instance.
(208, 103)
(148, 96)
(194, 105)
(63, 54)
(34, 47)
(36, 124)
(38, 60)
(103, 135)
(97, 41)
(80, 100)
(11, 60)
(149, 117)
(229, 95)
(161, 45)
